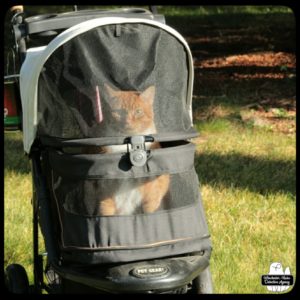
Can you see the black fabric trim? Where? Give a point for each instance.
(133, 232)
(57, 142)
(129, 255)
(170, 160)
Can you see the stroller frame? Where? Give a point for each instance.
(179, 274)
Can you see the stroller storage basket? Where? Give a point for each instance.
(82, 183)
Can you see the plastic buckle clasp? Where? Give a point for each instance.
(138, 154)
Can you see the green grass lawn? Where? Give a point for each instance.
(247, 181)
(18, 246)
(248, 186)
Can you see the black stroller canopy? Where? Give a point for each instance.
(85, 79)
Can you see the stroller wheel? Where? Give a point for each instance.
(202, 284)
(16, 279)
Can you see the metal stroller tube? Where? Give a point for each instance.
(42, 207)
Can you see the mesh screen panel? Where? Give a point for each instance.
(80, 83)
(125, 196)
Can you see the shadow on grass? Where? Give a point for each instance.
(233, 170)
(271, 75)
(255, 86)
(228, 34)
(14, 156)
(238, 171)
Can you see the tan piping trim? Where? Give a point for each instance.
(161, 243)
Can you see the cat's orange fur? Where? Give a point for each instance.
(139, 120)
(152, 191)
(138, 107)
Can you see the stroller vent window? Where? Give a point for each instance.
(120, 84)
(110, 185)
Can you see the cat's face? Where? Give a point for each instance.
(132, 112)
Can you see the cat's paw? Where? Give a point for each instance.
(107, 207)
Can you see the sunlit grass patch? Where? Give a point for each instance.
(247, 178)
(18, 244)
(249, 231)
(213, 126)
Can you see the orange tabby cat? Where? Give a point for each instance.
(131, 113)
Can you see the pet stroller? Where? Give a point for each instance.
(107, 119)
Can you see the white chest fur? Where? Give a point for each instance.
(128, 198)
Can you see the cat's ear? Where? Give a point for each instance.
(148, 94)
(111, 92)
(113, 96)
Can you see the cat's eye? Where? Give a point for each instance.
(139, 112)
